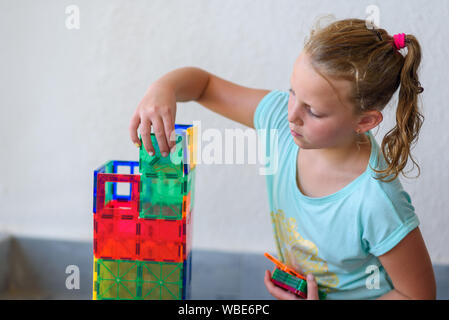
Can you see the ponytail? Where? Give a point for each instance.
(397, 142)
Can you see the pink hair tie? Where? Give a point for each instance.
(399, 41)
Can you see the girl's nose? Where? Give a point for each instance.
(294, 116)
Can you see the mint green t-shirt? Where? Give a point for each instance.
(337, 237)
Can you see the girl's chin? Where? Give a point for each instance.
(299, 141)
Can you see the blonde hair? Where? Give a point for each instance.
(348, 49)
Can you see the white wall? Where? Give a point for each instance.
(67, 97)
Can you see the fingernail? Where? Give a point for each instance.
(151, 153)
(310, 277)
(137, 145)
(164, 154)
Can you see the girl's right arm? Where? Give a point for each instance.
(158, 106)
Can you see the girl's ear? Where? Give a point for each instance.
(368, 120)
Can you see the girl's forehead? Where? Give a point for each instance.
(309, 82)
(313, 87)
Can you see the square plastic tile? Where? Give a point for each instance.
(162, 281)
(117, 279)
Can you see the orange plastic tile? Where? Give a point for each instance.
(283, 267)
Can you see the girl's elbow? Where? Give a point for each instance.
(429, 296)
(425, 294)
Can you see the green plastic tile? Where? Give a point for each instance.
(294, 282)
(164, 183)
(160, 166)
(162, 198)
(137, 280)
(162, 191)
(162, 281)
(290, 280)
(117, 279)
(322, 295)
(168, 212)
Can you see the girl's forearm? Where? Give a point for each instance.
(393, 295)
(188, 83)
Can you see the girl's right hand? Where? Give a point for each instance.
(157, 109)
(282, 294)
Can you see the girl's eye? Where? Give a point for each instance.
(308, 107)
(313, 115)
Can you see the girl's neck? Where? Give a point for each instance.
(343, 156)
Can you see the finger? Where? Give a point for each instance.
(277, 292)
(312, 288)
(269, 285)
(267, 279)
(159, 132)
(169, 126)
(145, 132)
(133, 126)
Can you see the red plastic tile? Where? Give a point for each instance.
(115, 207)
(162, 230)
(118, 208)
(159, 251)
(115, 238)
(288, 288)
(189, 232)
(162, 240)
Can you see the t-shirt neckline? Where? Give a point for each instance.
(346, 190)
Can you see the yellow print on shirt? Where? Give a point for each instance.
(299, 253)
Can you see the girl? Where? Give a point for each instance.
(339, 212)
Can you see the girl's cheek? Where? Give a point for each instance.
(326, 132)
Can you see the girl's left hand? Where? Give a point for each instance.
(281, 294)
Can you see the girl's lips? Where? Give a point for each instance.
(295, 134)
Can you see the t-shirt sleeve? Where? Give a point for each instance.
(271, 124)
(388, 219)
(272, 110)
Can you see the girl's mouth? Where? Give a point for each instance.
(295, 134)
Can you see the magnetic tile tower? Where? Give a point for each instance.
(143, 236)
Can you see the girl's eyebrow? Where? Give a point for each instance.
(320, 109)
(309, 104)
(295, 94)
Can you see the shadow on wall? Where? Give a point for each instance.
(36, 269)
